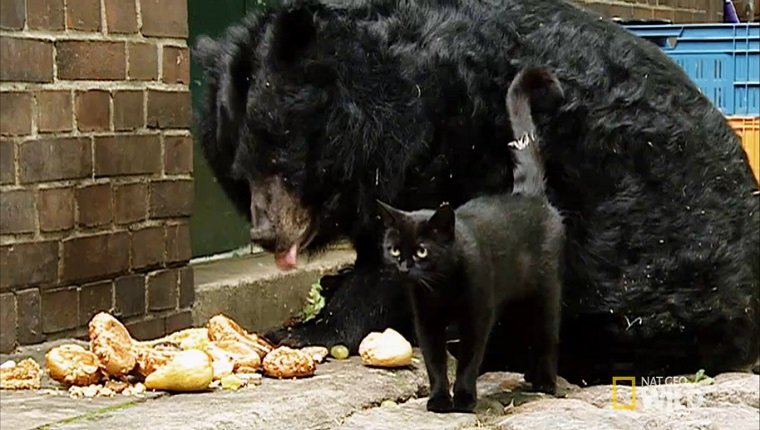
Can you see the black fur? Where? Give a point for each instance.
(376, 99)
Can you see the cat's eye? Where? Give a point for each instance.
(395, 252)
(422, 252)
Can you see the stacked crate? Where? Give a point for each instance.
(724, 61)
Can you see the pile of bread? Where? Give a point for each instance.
(187, 360)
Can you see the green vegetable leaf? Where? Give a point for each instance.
(314, 303)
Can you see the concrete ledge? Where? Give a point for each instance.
(253, 292)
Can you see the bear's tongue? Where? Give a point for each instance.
(287, 260)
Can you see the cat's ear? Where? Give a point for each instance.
(388, 214)
(441, 224)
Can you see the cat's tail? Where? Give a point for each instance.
(532, 90)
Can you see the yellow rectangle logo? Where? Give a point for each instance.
(624, 406)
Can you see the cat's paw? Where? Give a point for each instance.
(547, 388)
(528, 376)
(545, 384)
(439, 404)
(464, 402)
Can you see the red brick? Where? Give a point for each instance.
(52, 159)
(176, 67)
(96, 256)
(98, 60)
(147, 329)
(121, 16)
(179, 321)
(643, 12)
(186, 287)
(128, 110)
(664, 14)
(620, 11)
(17, 212)
(45, 14)
(93, 110)
(682, 16)
(56, 209)
(8, 322)
(178, 243)
(83, 15)
(60, 310)
(600, 9)
(29, 316)
(130, 203)
(178, 154)
(699, 17)
(94, 205)
(143, 61)
(162, 290)
(12, 14)
(32, 263)
(127, 155)
(148, 247)
(171, 198)
(94, 298)
(164, 18)
(129, 292)
(26, 60)
(15, 113)
(7, 161)
(54, 111)
(169, 109)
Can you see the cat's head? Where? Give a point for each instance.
(420, 244)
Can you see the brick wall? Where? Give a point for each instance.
(95, 167)
(678, 11)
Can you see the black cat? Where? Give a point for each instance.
(462, 266)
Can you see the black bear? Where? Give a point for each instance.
(316, 108)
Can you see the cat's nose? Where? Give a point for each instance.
(403, 267)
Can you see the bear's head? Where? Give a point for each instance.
(308, 113)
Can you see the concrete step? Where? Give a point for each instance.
(252, 291)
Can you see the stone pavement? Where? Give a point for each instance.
(347, 395)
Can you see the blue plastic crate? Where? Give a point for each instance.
(722, 59)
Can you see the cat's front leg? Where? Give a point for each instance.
(473, 345)
(431, 334)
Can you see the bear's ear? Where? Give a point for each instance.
(441, 223)
(235, 67)
(294, 30)
(206, 52)
(388, 214)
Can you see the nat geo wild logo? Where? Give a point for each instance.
(663, 392)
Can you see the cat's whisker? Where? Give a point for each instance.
(437, 277)
(426, 285)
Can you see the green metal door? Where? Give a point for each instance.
(215, 225)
